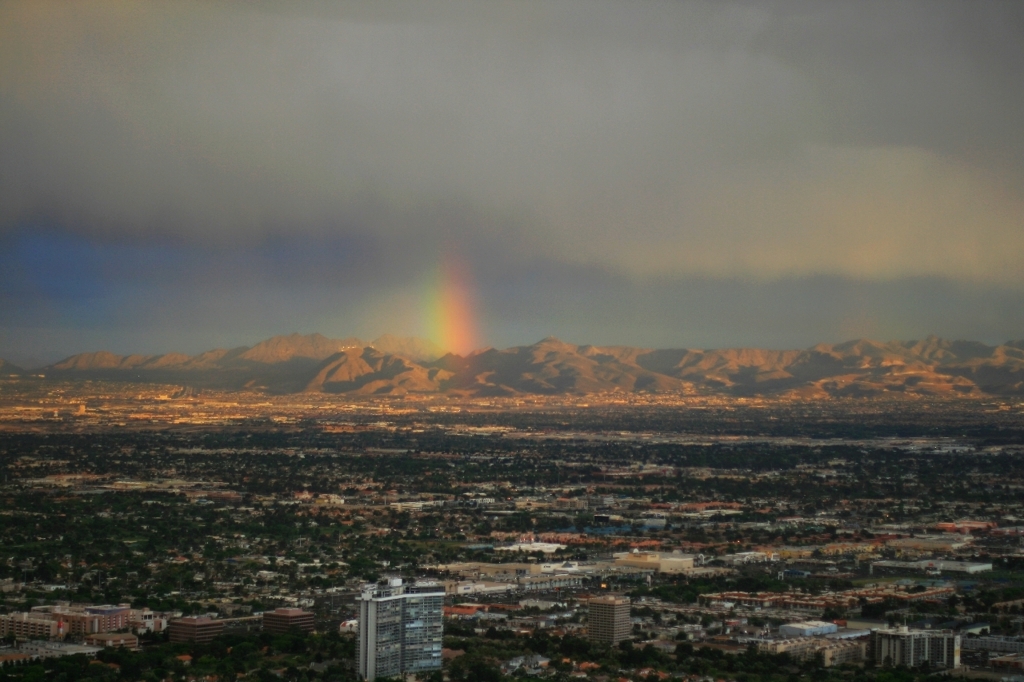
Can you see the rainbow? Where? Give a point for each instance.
(450, 318)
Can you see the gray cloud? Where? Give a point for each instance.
(657, 144)
(868, 139)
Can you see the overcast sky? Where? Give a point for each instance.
(179, 176)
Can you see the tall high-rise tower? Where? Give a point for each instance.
(400, 628)
(608, 620)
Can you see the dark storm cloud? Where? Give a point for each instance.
(941, 76)
(256, 153)
(60, 294)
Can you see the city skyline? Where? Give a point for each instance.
(496, 341)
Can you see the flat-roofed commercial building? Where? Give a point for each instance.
(201, 630)
(932, 566)
(608, 620)
(660, 562)
(930, 543)
(546, 583)
(809, 628)
(46, 649)
(1001, 644)
(113, 640)
(283, 621)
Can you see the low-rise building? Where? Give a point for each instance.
(556, 581)
(1013, 662)
(800, 601)
(1011, 645)
(532, 664)
(840, 652)
(144, 620)
(833, 652)
(41, 649)
(753, 557)
(930, 543)
(283, 621)
(932, 566)
(200, 630)
(466, 587)
(809, 628)
(660, 562)
(113, 640)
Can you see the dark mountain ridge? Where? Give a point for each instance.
(8, 369)
(394, 366)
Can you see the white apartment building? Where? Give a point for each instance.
(912, 648)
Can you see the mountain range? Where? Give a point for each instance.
(395, 366)
(9, 369)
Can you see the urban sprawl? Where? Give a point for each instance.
(489, 540)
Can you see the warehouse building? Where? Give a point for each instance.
(809, 628)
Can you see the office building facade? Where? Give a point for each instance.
(400, 628)
(201, 630)
(608, 620)
(283, 621)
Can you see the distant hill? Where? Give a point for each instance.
(369, 371)
(282, 364)
(392, 365)
(297, 346)
(9, 369)
(419, 350)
